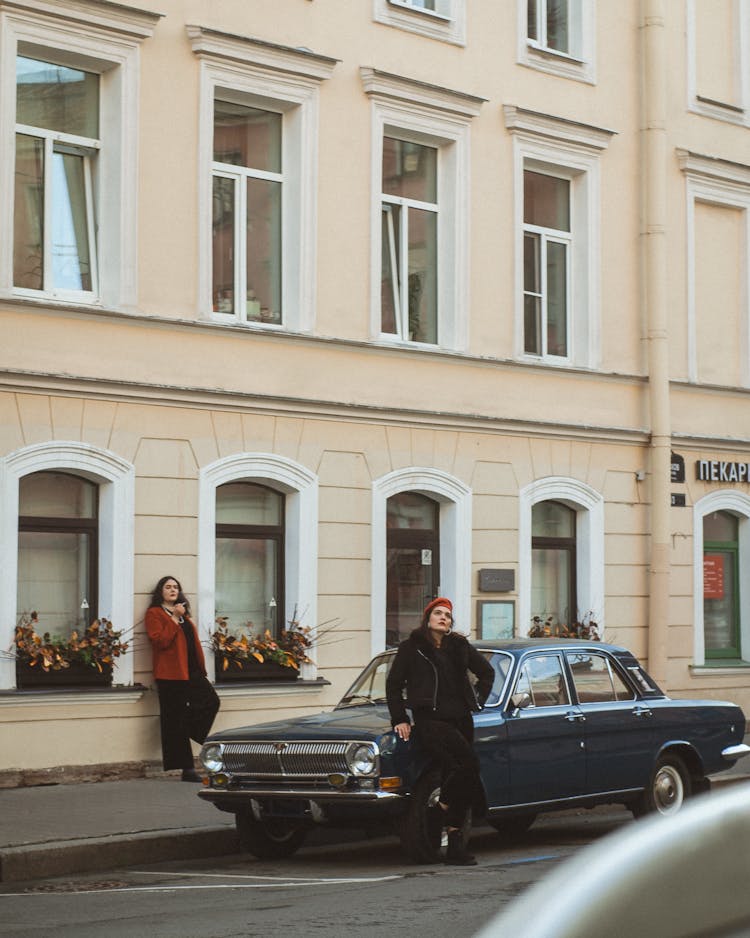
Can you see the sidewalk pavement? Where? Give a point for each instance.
(57, 830)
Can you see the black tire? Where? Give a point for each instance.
(512, 828)
(421, 829)
(269, 839)
(667, 789)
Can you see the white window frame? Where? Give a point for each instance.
(455, 500)
(300, 486)
(412, 110)
(737, 111)
(739, 505)
(115, 478)
(275, 78)
(103, 38)
(88, 149)
(572, 151)
(447, 22)
(546, 236)
(580, 63)
(588, 505)
(715, 182)
(240, 175)
(399, 260)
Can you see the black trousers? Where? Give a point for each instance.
(186, 711)
(451, 744)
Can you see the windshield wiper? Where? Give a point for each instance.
(369, 700)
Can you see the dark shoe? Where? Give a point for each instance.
(456, 853)
(190, 775)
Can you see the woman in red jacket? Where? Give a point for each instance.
(187, 701)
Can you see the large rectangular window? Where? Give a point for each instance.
(546, 270)
(247, 212)
(57, 144)
(250, 557)
(57, 550)
(409, 307)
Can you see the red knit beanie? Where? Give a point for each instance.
(440, 601)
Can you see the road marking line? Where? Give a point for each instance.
(545, 856)
(286, 879)
(285, 884)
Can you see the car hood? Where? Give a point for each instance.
(365, 722)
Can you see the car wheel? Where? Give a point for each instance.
(271, 838)
(511, 828)
(668, 788)
(422, 829)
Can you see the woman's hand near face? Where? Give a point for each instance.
(403, 730)
(179, 609)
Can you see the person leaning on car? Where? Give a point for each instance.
(432, 665)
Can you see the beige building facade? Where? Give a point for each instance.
(326, 307)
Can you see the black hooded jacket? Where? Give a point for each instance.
(415, 668)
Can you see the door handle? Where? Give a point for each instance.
(642, 712)
(575, 717)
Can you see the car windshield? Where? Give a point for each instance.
(369, 687)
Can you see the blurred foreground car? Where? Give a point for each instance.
(567, 723)
(683, 879)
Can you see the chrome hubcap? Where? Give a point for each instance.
(668, 790)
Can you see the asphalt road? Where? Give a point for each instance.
(359, 889)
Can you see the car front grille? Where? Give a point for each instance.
(285, 760)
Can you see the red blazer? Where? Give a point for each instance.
(170, 646)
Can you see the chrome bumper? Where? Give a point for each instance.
(243, 794)
(732, 753)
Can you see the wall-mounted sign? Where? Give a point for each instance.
(713, 576)
(497, 581)
(495, 620)
(715, 470)
(677, 500)
(677, 468)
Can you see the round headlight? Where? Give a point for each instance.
(388, 744)
(362, 759)
(212, 757)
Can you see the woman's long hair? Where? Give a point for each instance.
(157, 599)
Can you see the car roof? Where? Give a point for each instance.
(519, 645)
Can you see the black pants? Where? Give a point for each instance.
(450, 744)
(186, 711)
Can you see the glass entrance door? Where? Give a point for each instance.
(413, 562)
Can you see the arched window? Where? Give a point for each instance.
(721, 585)
(412, 561)
(553, 562)
(250, 556)
(58, 550)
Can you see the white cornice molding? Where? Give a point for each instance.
(700, 166)
(114, 17)
(535, 124)
(379, 84)
(249, 51)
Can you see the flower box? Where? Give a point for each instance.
(252, 670)
(78, 674)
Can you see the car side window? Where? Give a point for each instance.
(595, 679)
(500, 665)
(543, 679)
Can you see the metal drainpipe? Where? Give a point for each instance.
(654, 138)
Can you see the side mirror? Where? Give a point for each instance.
(520, 702)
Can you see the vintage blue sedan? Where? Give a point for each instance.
(567, 723)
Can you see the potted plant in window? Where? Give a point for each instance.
(585, 627)
(241, 656)
(84, 658)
